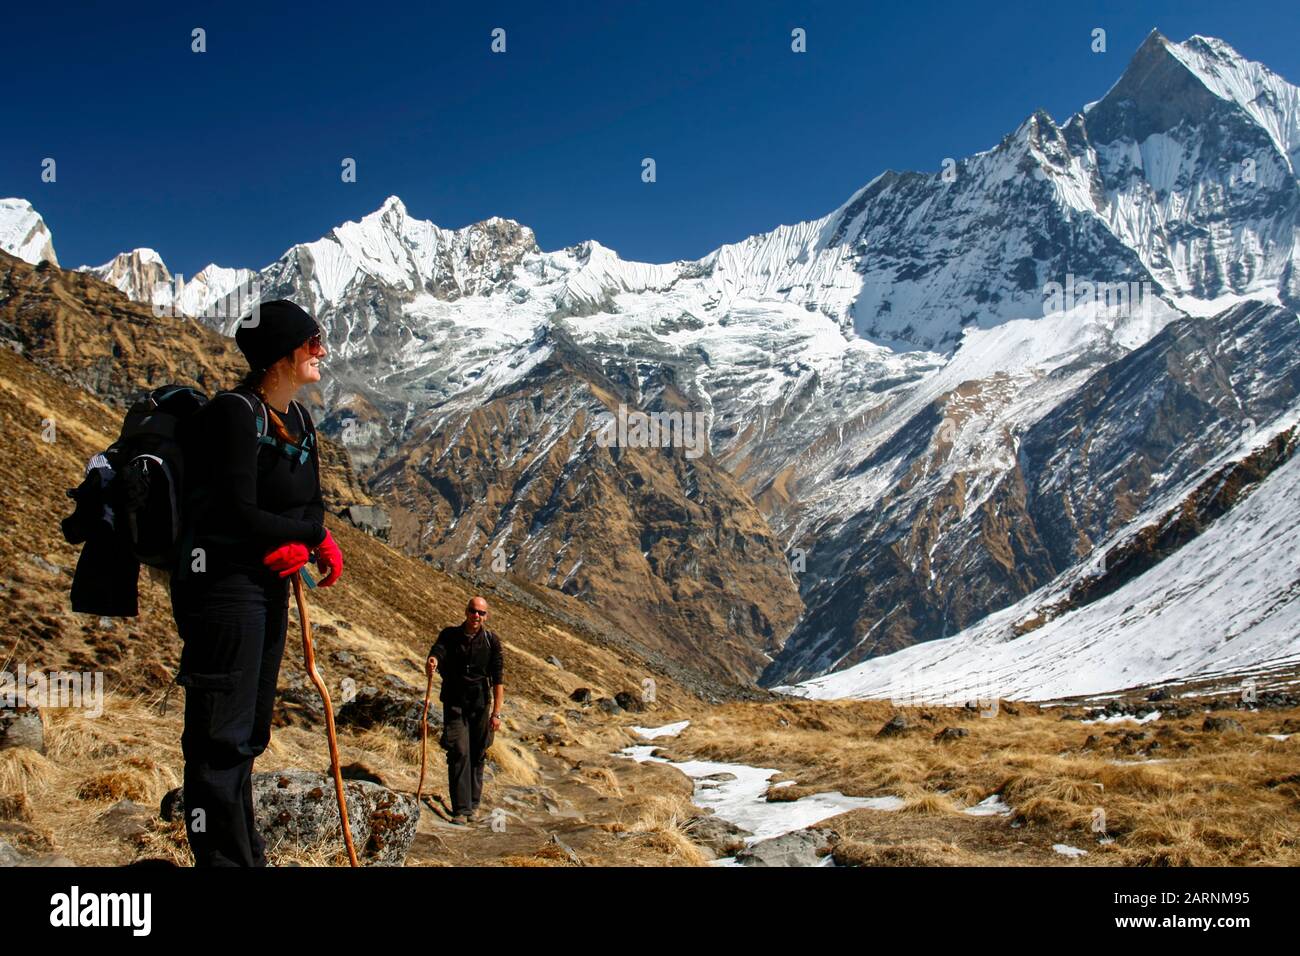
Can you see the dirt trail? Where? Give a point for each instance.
(603, 809)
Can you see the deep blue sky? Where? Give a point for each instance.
(233, 155)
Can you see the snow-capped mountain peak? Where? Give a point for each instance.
(140, 273)
(23, 232)
(1270, 100)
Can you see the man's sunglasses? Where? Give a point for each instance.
(478, 613)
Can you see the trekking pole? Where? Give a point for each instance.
(424, 731)
(309, 661)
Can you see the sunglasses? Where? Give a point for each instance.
(315, 344)
(478, 613)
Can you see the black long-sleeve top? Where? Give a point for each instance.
(246, 497)
(470, 666)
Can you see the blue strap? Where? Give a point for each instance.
(302, 452)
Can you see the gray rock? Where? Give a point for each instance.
(798, 848)
(298, 702)
(22, 727)
(125, 819)
(898, 724)
(297, 808)
(9, 856)
(609, 706)
(396, 707)
(581, 696)
(721, 776)
(629, 701)
(555, 661)
(1223, 725)
(721, 836)
(370, 519)
(949, 734)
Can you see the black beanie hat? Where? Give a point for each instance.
(272, 331)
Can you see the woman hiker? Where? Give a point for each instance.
(256, 517)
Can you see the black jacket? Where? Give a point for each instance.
(246, 497)
(108, 574)
(470, 667)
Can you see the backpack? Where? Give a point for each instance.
(133, 505)
(147, 473)
(128, 506)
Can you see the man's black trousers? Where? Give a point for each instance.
(467, 735)
(234, 634)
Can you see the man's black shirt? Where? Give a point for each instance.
(470, 666)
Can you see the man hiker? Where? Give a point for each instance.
(469, 658)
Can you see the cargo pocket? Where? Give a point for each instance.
(213, 721)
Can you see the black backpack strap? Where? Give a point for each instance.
(308, 443)
(256, 406)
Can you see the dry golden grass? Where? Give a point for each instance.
(516, 765)
(659, 822)
(1205, 799)
(913, 853)
(24, 772)
(916, 800)
(604, 780)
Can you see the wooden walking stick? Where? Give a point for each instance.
(424, 729)
(309, 661)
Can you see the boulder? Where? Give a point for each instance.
(297, 702)
(370, 519)
(629, 701)
(21, 727)
(125, 819)
(797, 848)
(581, 696)
(949, 734)
(721, 836)
(1223, 725)
(395, 705)
(609, 706)
(898, 724)
(297, 808)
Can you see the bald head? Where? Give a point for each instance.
(476, 612)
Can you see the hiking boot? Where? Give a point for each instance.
(470, 817)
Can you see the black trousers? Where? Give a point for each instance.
(467, 735)
(233, 631)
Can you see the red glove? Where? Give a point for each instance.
(329, 560)
(287, 559)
